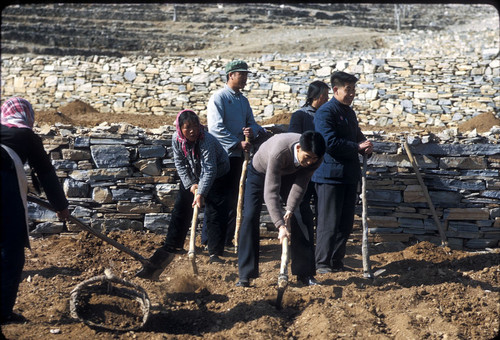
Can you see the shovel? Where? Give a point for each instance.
(192, 238)
(283, 276)
(154, 269)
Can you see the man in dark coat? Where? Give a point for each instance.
(338, 176)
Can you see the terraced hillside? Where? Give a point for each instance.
(177, 29)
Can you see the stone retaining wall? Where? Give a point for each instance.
(406, 91)
(120, 177)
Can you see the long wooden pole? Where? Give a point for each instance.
(367, 271)
(192, 238)
(93, 231)
(413, 162)
(241, 193)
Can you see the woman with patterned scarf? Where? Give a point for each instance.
(21, 144)
(202, 165)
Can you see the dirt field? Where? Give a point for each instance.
(425, 292)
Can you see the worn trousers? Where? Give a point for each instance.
(13, 239)
(215, 215)
(302, 238)
(336, 205)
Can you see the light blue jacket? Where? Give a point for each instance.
(228, 113)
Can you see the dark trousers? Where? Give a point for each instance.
(215, 215)
(302, 242)
(232, 189)
(303, 262)
(13, 239)
(336, 204)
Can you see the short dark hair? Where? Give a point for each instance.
(315, 89)
(312, 141)
(340, 79)
(188, 116)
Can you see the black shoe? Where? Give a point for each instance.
(215, 259)
(243, 283)
(308, 280)
(157, 264)
(342, 268)
(174, 250)
(324, 270)
(337, 266)
(13, 318)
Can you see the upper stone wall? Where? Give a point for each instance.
(406, 91)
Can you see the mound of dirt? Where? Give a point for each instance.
(482, 123)
(79, 113)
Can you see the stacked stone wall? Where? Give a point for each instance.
(406, 91)
(121, 177)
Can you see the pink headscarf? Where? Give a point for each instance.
(17, 112)
(180, 136)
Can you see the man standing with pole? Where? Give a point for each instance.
(338, 176)
(230, 119)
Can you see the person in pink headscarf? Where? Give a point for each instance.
(202, 165)
(20, 144)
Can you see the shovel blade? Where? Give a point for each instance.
(282, 284)
(153, 268)
(279, 298)
(193, 263)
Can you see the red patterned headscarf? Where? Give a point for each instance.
(17, 112)
(180, 136)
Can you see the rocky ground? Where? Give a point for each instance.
(421, 291)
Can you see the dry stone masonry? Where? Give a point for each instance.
(123, 177)
(421, 78)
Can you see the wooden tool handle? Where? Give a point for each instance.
(413, 162)
(192, 237)
(367, 271)
(241, 194)
(91, 230)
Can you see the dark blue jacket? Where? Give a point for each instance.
(338, 125)
(302, 120)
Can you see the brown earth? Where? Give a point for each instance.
(426, 291)
(79, 113)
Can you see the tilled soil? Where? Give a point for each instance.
(424, 291)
